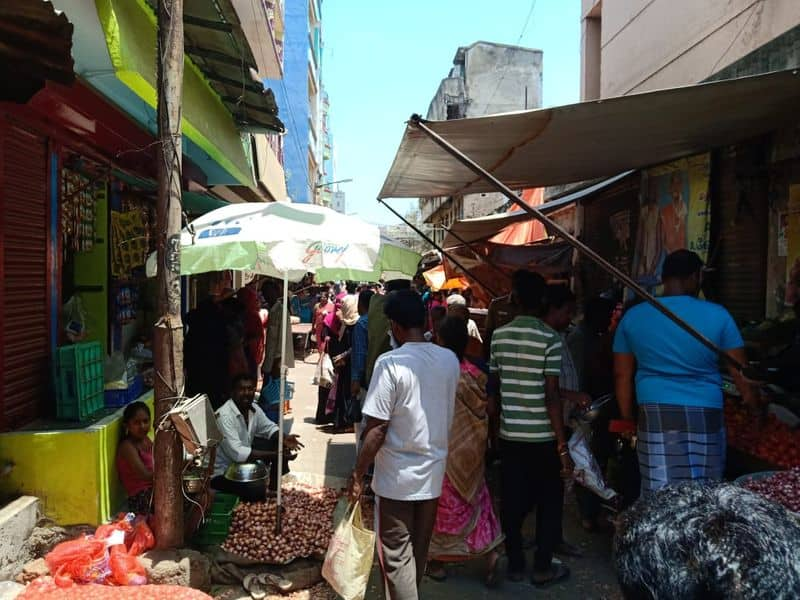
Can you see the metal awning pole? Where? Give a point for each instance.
(477, 254)
(439, 248)
(418, 122)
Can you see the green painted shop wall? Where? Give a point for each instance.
(91, 273)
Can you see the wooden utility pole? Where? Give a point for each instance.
(168, 332)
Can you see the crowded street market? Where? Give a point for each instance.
(549, 347)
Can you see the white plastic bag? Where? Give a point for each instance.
(587, 472)
(348, 561)
(74, 319)
(323, 375)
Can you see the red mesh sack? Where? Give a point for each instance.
(143, 539)
(84, 560)
(125, 568)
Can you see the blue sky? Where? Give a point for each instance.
(384, 60)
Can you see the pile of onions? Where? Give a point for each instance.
(782, 487)
(307, 526)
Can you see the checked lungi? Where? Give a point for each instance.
(679, 443)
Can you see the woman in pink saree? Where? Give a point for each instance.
(466, 525)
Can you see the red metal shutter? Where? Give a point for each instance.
(25, 342)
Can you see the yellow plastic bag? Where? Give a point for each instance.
(348, 561)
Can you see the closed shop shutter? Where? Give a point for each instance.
(25, 340)
(740, 214)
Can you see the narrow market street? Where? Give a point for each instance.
(561, 305)
(332, 456)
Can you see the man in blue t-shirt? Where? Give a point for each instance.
(681, 426)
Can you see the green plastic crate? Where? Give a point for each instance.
(80, 381)
(217, 523)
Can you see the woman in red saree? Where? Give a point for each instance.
(466, 525)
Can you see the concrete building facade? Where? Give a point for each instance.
(486, 78)
(630, 46)
(299, 98)
(339, 202)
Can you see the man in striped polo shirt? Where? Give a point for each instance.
(525, 362)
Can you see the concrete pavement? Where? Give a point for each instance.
(331, 456)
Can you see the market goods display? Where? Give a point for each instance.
(770, 439)
(782, 487)
(307, 526)
(45, 588)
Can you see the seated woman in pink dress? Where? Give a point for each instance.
(466, 525)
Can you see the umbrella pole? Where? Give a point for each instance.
(439, 248)
(418, 122)
(281, 396)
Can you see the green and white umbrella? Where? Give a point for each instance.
(279, 240)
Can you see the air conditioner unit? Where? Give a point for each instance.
(196, 423)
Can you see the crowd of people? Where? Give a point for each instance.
(432, 425)
(435, 407)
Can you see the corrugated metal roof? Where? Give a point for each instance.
(36, 47)
(216, 43)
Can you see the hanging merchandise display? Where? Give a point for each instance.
(130, 241)
(126, 302)
(78, 210)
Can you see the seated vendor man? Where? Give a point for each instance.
(248, 435)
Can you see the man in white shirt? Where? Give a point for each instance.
(241, 421)
(457, 306)
(409, 408)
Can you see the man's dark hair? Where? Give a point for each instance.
(681, 264)
(395, 285)
(364, 297)
(405, 308)
(239, 378)
(438, 314)
(529, 289)
(700, 541)
(556, 296)
(453, 335)
(351, 287)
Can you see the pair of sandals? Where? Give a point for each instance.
(437, 572)
(257, 584)
(558, 573)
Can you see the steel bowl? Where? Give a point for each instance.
(247, 471)
(591, 412)
(193, 484)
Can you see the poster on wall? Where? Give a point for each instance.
(673, 214)
(793, 246)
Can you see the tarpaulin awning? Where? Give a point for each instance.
(437, 280)
(594, 139)
(35, 46)
(481, 228)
